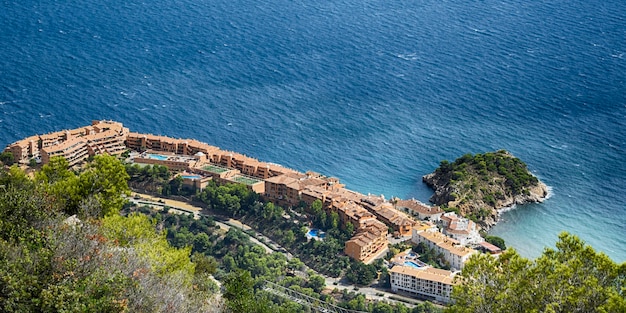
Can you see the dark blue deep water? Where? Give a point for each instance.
(373, 92)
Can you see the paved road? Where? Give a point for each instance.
(369, 292)
(185, 207)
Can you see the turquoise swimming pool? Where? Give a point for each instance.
(317, 233)
(157, 157)
(191, 176)
(412, 264)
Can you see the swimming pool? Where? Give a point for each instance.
(316, 233)
(412, 264)
(190, 176)
(157, 157)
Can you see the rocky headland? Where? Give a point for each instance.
(481, 186)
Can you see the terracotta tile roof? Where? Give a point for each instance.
(419, 207)
(490, 247)
(65, 145)
(446, 243)
(429, 273)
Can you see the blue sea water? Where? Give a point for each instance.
(373, 92)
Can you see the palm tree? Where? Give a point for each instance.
(394, 201)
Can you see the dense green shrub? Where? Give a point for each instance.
(490, 164)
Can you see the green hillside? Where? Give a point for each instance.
(478, 185)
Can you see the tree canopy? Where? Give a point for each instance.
(500, 164)
(571, 278)
(52, 263)
(101, 186)
(476, 186)
(496, 241)
(361, 273)
(7, 158)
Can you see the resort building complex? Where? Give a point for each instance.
(411, 276)
(372, 217)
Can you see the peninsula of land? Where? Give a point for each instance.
(481, 186)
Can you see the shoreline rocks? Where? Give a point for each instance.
(481, 194)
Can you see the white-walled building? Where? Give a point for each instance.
(419, 209)
(461, 229)
(452, 250)
(427, 282)
(423, 226)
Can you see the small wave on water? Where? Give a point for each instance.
(408, 57)
(515, 206)
(506, 209)
(550, 192)
(376, 96)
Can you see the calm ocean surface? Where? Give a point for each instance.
(373, 92)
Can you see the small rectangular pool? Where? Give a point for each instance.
(190, 176)
(157, 157)
(412, 264)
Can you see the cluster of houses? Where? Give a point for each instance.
(372, 217)
(427, 282)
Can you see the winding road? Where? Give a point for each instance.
(271, 247)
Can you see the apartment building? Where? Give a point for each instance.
(421, 210)
(452, 250)
(290, 188)
(52, 139)
(74, 150)
(385, 211)
(24, 149)
(312, 193)
(143, 142)
(246, 165)
(109, 141)
(284, 189)
(75, 144)
(422, 226)
(489, 248)
(369, 241)
(350, 212)
(425, 282)
(341, 195)
(461, 229)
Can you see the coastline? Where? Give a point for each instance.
(547, 194)
(544, 229)
(466, 186)
(514, 206)
(373, 217)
